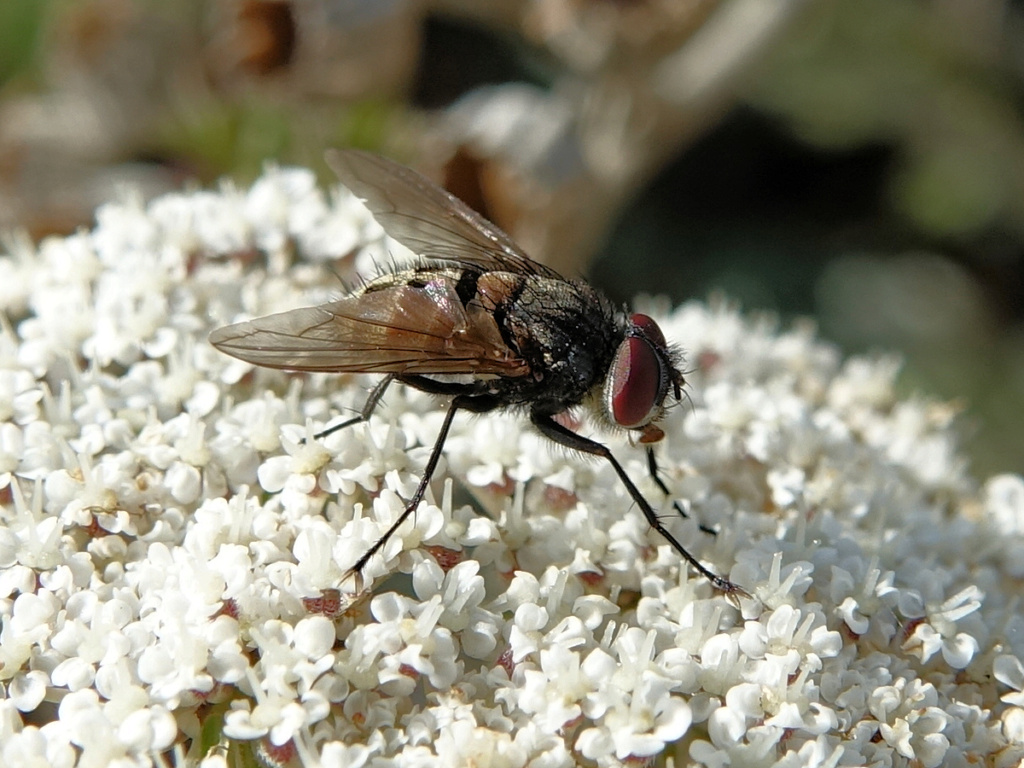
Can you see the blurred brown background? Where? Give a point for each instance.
(860, 162)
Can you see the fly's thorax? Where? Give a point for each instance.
(566, 331)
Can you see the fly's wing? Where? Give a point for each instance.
(420, 328)
(426, 219)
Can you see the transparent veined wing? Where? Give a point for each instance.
(426, 219)
(416, 327)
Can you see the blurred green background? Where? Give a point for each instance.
(860, 162)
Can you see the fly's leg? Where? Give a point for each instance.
(652, 467)
(368, 408)
(555, 431)
(467, 397)
(417, 382)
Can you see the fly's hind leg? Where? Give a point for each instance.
(368, 407)
(466, 397)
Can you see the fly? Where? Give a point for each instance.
(518, 334)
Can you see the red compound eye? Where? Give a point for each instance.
(635, 383)
(650, 329)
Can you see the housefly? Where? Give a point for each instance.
(481, 323)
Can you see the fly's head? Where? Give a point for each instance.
(640, 378)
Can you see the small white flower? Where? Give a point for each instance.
(219, 221)
(638, 726)
(306, 457)
(554, 693)
(461, 591)
(27, 691)
(282, 202)
(722, 664)
(864, 597)
(939, 631)
(1009, 671)
(20, 396)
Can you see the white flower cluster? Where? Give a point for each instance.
(174, 539)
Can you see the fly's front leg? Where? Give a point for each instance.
(652, 467)
(555, 431)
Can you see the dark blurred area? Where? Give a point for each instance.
(860, 162)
